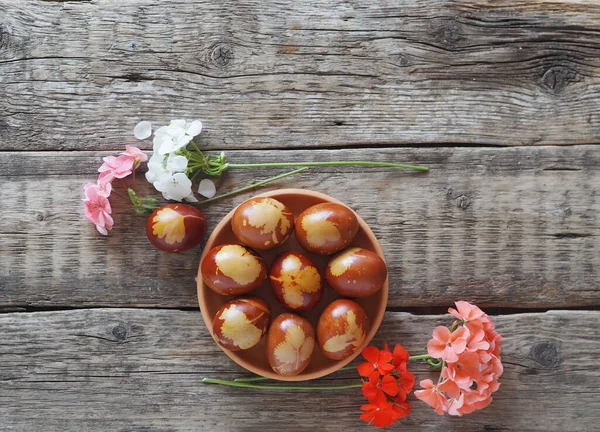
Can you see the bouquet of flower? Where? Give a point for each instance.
(175, 163)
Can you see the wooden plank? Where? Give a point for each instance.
(141, 370)
(505, 227)
(80, 75)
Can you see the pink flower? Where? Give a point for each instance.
(455, 405)
(464, 371)
(447, 345)
(473, 365)
(115, 167)
(473, 402)
(466, 311)
(135, 153)
(97, 207)
(476, 340)
(432, 396)
(102, 189)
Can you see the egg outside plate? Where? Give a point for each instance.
(255, 358)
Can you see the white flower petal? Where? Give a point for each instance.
(183, 180)
(166, 146)
(176, 164)
(151, 176)
(178, 124)
(194, 128)
(142, 130)
(161, 132)
(207, 188)
(191, 198)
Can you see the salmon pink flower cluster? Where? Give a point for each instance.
(97, 207)
(470, 352)
(386, 385)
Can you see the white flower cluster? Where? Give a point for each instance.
(167, 170)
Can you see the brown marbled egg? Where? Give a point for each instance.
(290, 344)
(241, 323)
(341, 329)
(175, 227)
(296, 281)
(262, 223)
(356, 272)
(326, 228)
(231, 269)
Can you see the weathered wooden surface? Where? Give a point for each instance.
(77, 75)
(141, 370)
(506, 227)
(514, 227)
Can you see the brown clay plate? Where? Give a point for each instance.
(255, 359)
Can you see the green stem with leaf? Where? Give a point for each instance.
(148, 205)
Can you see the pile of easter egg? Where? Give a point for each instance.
(237, 269)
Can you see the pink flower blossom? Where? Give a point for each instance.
(455, 405)
(115, 167)
(476, 340)
(447, 345)
(432, 396)
(466, 311)
(473, 366)
(135, 153)
(97, 208)
(102, 189)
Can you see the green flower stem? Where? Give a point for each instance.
(420, 357)
(252, 186)
(278, 387)
(349, 367)
(310, 164)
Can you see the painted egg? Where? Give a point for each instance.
(231, 269)
(290, 344)
(341, 329)
(241, 323)
(326, 228)
(175, 227)
(296, 281)
(262, 223)
(356, 272)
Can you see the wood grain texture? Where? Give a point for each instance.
(77, 75)
(141, 369)
(504, 227)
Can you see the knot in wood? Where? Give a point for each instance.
(400, 60)
(120, 332)
(221, 55)
(556, 78)
(546, 354)
(4, 36)
(447, 31)
(463, 202)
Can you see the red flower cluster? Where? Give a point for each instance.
(470, 350)
(386, 384)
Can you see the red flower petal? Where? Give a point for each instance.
(400, 354)
(384, 356)
(371, 354)
(365, 369)
(389, 385)
(385, 368)
(370, 391)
